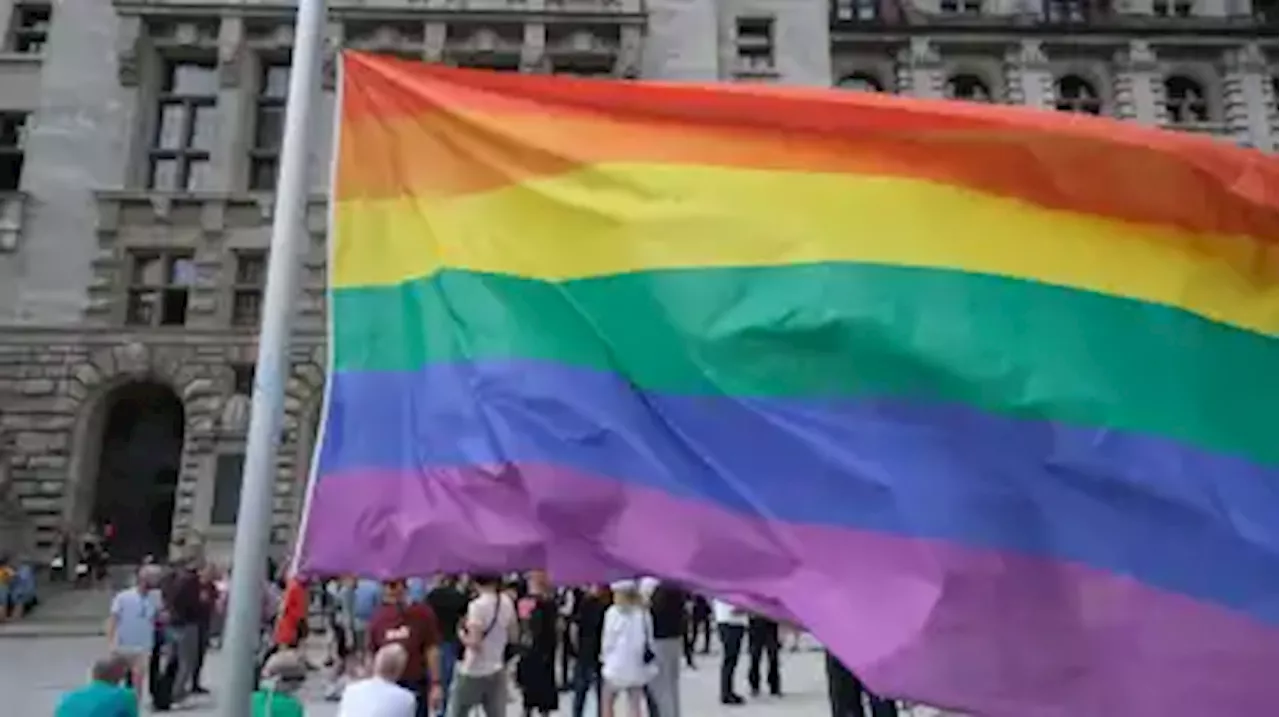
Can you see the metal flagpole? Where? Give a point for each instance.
(288, 231)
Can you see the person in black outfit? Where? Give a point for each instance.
(586, 628)
(204, 623)
(450, 605)
(845, 690)
(762, 641)
(536, 672)
(699, 624)
(732, 626)
(566, 598)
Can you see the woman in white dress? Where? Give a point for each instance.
(626, 650)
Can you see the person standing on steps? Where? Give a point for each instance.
(731, 623)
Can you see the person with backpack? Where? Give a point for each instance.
(491, 624)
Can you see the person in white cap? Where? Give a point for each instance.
(626, 652)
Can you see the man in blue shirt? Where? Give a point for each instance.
(367, 598)
(103, 696)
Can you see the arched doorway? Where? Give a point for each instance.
(137, 473)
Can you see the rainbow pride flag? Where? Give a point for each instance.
(986, 397)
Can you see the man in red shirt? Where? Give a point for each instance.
(413, 626)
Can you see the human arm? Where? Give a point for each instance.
(431, 629)
(112, 620)
(609, 635)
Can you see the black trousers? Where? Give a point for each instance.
(762, 643)
(421, 690)
(845, 691)
(699, 625)
(731, 640)
(566, 658)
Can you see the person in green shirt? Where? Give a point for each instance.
(103, 696)
(283, 674)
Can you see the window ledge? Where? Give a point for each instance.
(12, 216)
(212, 207)
(21, 58)
(1214, 129)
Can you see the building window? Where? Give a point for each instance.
(754, 37)
(960, 7)
(159, 288)
(857, 10)
(242, 379)
(1171, 8)
(1066, 11)
(968, 87)
(227, 477)
(1185, 101)
(268, 128)
(1076, 94)
(30, 27)
(186, 127)
(13, 135)
(246, 295)
(860, 81)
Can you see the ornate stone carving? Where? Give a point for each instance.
(231, 50)
(1246, 59)
(235, 414)
(1137, 57)
(129, 39)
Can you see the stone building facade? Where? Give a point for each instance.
(138, 147)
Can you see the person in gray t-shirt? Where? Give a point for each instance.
(131, 626)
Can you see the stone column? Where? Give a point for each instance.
(229, 161)
(533, 51)
(1028, 79)
(1139, 91)
(6, 16)
(920, 69)
(434, 36)
(1211, 8)
(683, 41)
(1246, 110)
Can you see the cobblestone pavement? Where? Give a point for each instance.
(37, 671)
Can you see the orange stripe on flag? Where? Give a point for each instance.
(413, 128)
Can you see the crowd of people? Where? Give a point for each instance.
(454, 646)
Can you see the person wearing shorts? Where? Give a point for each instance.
(131, 626)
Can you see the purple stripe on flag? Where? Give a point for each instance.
(990, 632)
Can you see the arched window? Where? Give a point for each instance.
(1185, 101)
(860, 81)
(968, 87)
(1076, 94)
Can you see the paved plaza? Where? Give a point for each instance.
(37, 670)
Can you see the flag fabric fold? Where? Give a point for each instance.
(983, 396)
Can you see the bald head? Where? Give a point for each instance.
(111, 670)
(389, 662)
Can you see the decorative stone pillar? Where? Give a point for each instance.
(229, 159)
(1139, 91)
(630, 52)
(1248, 114)
(533, 51)
(6, 16)
(434, 37)
(919, 70)
(1028, 79)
